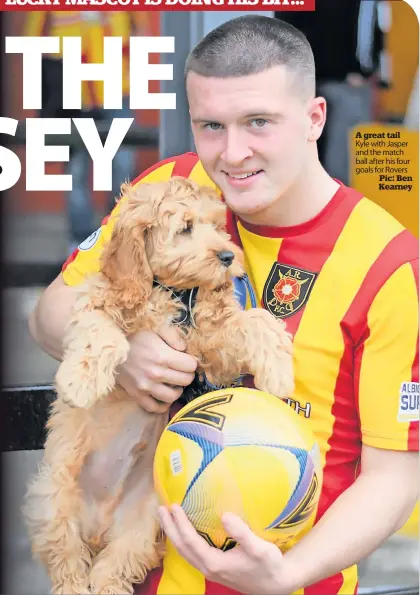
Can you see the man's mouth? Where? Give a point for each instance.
(243, 176)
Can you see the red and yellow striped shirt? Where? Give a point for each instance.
(346, 284)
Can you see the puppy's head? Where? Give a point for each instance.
(173, 232)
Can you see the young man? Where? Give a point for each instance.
(337, 268)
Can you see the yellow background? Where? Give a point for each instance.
(403, 205)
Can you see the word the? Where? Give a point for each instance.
(109, 71)
(74, 73)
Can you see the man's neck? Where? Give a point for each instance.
(301, 203)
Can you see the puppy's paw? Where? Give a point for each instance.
(278, 382)
(88, 370)
(69, 587)
(270, 353)
(114, 589)
(274, 369)
(107, 583)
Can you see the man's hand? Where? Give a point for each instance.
(358, 522)
(157, 371)
(253, 566)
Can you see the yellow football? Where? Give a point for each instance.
(244, 451)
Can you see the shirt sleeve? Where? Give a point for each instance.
(85, 260)
(386, 365)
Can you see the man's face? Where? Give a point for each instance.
(252, 135)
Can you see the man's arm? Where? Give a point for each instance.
(48, 320)
(156, 369)
(361, 519)
(384, 495)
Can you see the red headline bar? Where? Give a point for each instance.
(160, 5)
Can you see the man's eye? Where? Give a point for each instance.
(213, 126)
(258, 122)
(187, 227)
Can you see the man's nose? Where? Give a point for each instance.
(236, 149)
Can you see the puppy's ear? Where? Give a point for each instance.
(124, 261)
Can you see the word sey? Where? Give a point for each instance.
(74, 73)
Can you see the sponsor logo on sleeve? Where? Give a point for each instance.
(409, 402)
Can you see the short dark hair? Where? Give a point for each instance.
(251, 44)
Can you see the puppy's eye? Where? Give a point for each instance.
(187, 227)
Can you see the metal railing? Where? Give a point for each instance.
(414, 590)
(26, 410)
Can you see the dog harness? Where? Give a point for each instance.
(187, 299)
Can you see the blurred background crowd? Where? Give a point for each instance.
(366, 54)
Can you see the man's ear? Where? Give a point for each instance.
(317, 113)
(124, 262)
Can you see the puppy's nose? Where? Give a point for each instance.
(226, 256)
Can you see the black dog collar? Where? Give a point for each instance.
(187, 298)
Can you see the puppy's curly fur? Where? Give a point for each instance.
(91, 509)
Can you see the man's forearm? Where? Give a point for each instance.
(47, 336)
(48, 321)
(360, 520)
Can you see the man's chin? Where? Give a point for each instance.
(241, 201)
(243, 209)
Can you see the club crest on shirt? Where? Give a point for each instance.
(287, 289)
